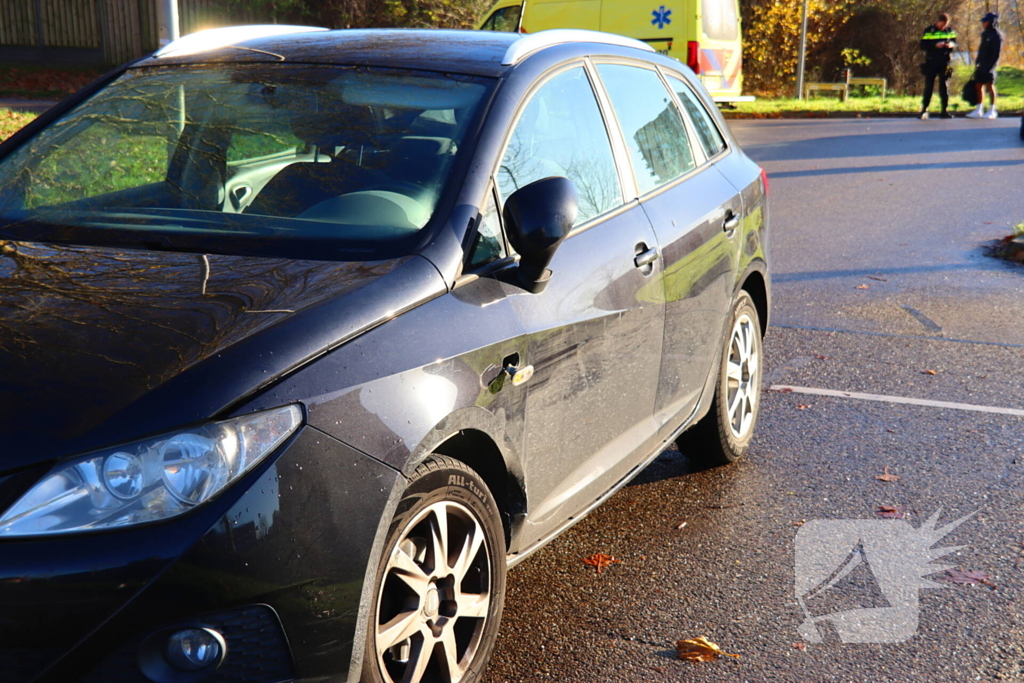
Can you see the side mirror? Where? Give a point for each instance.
(537, 218)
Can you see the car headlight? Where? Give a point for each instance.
(151, 479)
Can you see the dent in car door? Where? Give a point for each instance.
(595, 333)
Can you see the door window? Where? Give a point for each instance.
(651, 124)
(710, 137)
(504, 19)
(562, 133)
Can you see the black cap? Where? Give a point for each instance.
(990, 17)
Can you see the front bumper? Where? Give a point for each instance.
(278, 562)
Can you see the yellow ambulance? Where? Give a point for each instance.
(703, 34)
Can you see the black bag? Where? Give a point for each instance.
(970, 93)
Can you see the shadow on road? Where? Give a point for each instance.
(929, 140)
(668, 465)
(895, 167)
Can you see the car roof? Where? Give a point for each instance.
(480, 53)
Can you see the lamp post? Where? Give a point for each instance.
(167, 21)
(803, 54)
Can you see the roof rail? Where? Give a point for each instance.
(533, 42)
(213, 38)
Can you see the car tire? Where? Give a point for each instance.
(724, 434)
(432, 595)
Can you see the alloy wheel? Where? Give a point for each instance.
(434, 598)
(742, 379)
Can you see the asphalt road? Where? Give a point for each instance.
(902, 207)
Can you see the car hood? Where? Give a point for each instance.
(100, 345)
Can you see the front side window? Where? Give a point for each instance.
(504, 19)
(710, 138)
(246, 157)
(561, 133)
(489, 244)
(651, 124)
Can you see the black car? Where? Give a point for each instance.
(307, 336)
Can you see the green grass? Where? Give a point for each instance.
(1010, 85)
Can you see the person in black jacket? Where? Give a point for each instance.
(985, 66)
(937, 43)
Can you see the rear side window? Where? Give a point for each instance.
(651, 124)
(720, 19)
(710, 137)
(504, 19)
(562, 133)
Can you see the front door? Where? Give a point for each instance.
(594, 335)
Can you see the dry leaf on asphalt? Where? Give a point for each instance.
(803, 406)
(970, 576)
(599, 561)
(699, 650)
(800, 522)
(799, 646)
(889, 511)
(928, 372)
(885, 476)
(820, 357)
(862, 286)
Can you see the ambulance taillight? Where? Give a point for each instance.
(693, 56)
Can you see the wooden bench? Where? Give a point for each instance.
(851, 81)
(828, 87)
(844, 88)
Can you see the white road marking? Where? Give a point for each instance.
(896, 399)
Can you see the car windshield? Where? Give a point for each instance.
(245, 159)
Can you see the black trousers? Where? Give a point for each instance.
(932, 72)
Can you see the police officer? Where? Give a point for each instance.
(985, 66)
(937, 43)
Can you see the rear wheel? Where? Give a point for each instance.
(440, 589)
(724, 434)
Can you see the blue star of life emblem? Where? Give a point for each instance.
(661, 17)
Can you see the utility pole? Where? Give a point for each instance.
(167, 21)
(803, 54)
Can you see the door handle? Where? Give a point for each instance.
(646, 258)
(732, 221)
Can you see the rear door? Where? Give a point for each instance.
(595, 334)
(691, 206)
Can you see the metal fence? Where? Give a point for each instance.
(98, 32)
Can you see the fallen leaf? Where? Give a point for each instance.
(889, 511)
(599, 561)
(699, 650)
(822, 357)
(658, 669)
(862, 286)
(891, 431)
(803, 406)
(885, 476)
(799, 646)
(928, 372)
(971, 576)
(783, 390)
(880, 279)
(800, 522)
